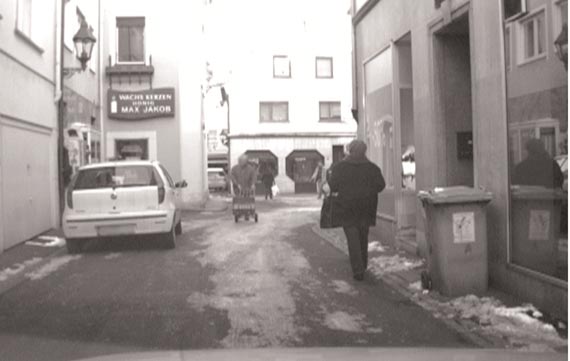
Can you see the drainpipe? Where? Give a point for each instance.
(60, 34)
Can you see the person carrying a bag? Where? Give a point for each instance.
(357, 181)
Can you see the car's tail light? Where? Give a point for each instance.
(69, 197)
(161, 194)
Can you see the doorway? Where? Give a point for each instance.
(452, 59)
(406, 197)
(337, 153)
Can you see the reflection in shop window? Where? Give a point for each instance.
(538, 132)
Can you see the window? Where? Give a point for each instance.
(116, 177)
(273, 112)
(281, 66)
(533, 37)
(24, 17)
(324, 67)
(167, 175)
(130, 39)
(329, 111)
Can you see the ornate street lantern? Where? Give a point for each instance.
(84, 41)
(561, 46)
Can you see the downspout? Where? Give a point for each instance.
(60, 107)
(58, 45)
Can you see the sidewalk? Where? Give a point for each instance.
(492, 320)
(21, 260)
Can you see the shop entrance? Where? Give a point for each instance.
(265, 161)
(452, 61)
(131, 149)
(301, 165)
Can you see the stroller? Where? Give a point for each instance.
(243, 205)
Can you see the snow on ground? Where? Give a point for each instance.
(112, 255)
(376, 246)
(49, 241)
(344, 321)
(382, 265)
(341, 286)
(518, 326)
(17, 268)
(52, 266)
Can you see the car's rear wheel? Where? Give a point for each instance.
(74, 245)
(169, 239)
(178, 228)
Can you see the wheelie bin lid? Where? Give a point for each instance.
(457, 194)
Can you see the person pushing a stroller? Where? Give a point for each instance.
(243, 176)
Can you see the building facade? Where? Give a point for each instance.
(154, 71)
(289, 88)
(30, 66)
(449, 93)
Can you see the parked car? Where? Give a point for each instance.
(217, 179)
(120, 199)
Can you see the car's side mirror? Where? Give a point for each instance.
(181, 184)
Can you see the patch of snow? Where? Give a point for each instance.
(51, 241)
(344, 321)
(17, 268)
(112, 255)
(52, 266)
(344, 287)
(382, 265)
(515, 324)
(415, 286)
(376, 246)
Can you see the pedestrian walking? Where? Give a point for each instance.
(357, 182)
(268, 180)
(318, 178)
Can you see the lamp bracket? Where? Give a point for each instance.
(69, 72)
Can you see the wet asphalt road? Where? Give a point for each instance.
(226, 285)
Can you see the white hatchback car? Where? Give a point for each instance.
(119, 199)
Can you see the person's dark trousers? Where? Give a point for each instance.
(268, 192)
(357, 238)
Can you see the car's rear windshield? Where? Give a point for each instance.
(119, 176)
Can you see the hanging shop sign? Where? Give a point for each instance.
(144, 104)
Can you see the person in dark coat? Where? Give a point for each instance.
(268, 180)
(538, 169)
(357, 182)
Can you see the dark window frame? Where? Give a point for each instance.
(277, 76)
(130, 22)
(272, 105)
(328, 58)
(329, 119)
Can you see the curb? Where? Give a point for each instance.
(465, 328)
(19, 278)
